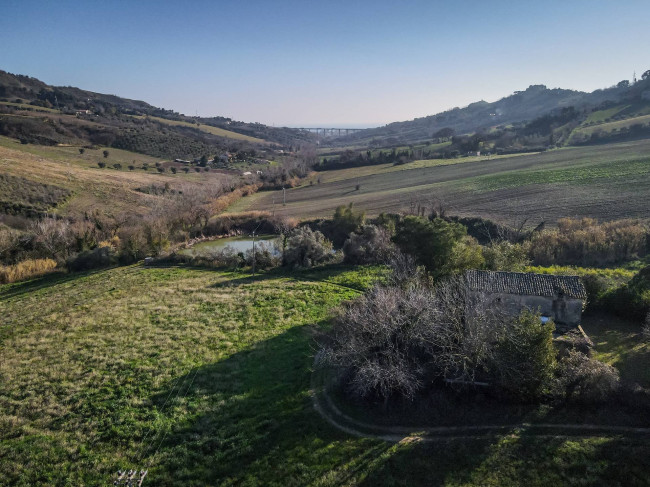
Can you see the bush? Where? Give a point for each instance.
(506, 256)
(646, 328)
(97, 258)
(525, 357)
(372, 245)
(632, 300)
(584, 379)
(265, 257)
(227, 258)
(586, 242)
(26, 269)
(430, 242)
(344, 222)
(306, 248)
(465, 254)
(378, 340)
(102, 165)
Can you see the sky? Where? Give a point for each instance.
(353, 63)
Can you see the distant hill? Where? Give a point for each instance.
(26, 93)
(532, 103)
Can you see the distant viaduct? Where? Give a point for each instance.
(329, 132)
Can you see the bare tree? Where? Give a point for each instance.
(378, 341)
(55, 237)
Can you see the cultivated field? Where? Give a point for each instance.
(204, 376)
(606, 181)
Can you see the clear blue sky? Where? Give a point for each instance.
(306, 62)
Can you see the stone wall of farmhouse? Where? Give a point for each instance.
(562, 310)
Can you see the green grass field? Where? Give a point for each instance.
(91, 366)
(606, 181)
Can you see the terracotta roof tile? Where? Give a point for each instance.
(528, 284)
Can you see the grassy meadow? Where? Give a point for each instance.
(204, 377)
(606, 181)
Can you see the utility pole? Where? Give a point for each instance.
(254, 254)
(254, 259)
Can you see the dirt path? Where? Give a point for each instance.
(333, 415)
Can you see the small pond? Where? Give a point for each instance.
(240, 244)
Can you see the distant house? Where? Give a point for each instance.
(560, 298)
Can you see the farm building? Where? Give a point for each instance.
(560, 298)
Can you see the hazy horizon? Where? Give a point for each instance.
(354, 64)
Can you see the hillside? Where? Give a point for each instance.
(527, 105)
(32, 97)
(35, 180)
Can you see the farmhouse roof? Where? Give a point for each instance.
(527, 284)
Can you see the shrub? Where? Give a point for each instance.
(306, 248)
(372, 245)
(117, 166)
(506, 256)
(465, 254)
(632, 300)
(97, 258)
(344, 222)
(584, 379)
(102, 165)
(264, 257)
(525, 356)
(26, 269)
(227, 257)
(646, 328)
(378, 340)
(586, 242)
(430, 242)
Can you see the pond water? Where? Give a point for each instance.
(240, 244)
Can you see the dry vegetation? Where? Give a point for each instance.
(90, 187)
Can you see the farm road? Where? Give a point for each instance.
(324, 405)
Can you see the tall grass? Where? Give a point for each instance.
(26, 269)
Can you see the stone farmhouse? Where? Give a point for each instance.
(560, 298)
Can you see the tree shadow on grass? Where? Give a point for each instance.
(44, 282)
(317, 274)
(249, 420)
(519, 458)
